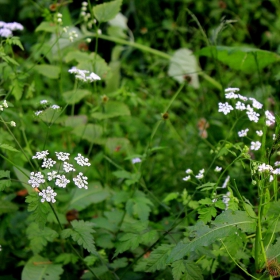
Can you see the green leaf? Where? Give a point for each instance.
(205, 201)
(15, 41)
(242, 59)
(183, 65)
(89, 132)
(107, 11)
(8, 59)
(128, 241)
(39, 268)
(49, 71)
(274, 250)
(66, 258)
(39, 210)
(47, 27)
(171, 196)
(4, 183)
(206, 214)
(82, 234)
(82, 198)
(8, 147)
(149, 237)
(7, 207)
(112, 109)
(186, 270)
(113, 143)
(23, 177)
(17, 89)
(122, 174)
(224, 225)
(39, 237)
(74, 96)
(158, 257)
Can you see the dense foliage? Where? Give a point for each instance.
(139, 140)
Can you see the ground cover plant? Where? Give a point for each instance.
(139, 140)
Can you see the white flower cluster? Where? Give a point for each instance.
(58, 177)
(45, 104)
(71, 33)
(81, 75)
(199, 176)
(231, 93)
(7, 28)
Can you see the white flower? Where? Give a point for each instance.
(243, 98)
(41, 155)
(276, 171)
(52, 175)
(218, 169)
(231, 95)
(61, 181)
(240, 106)
(48, 163)
(243, 133)
(271, 178)
(5, 104)
(48, 195)
(187, 178)
(62, 156)
(277, 163)
(44, 101)
(189, 171)
(93, 77)
(67, 167)
(231, 89)
(13, 123)
(273, 137)
(37, 113)
(81, 75)
(265, 167)
(1, 108)
(200, 174)
(225, 108)
(226, 199)
(226, 182)
(135, 160)
(5, 32)
(256, 104)
(270, 119)
(13, 26)
(55, 107)
(82, 160)
(259, 132)
(36, 179)
(252, 115)
(255, 145)
(81, 181)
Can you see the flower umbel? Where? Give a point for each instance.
(48, 195)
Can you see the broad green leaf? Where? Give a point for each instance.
(149, 237)
(158, 257)
(8, 147)
(39, 210)
(49, 71)
(8, 59)
(183, 66)
(107, 11)
(23, 177)
(112, 109)
(116, 144)
(50, 115)
(89, 132)
(118, 263)
(39, 237)
(47, 27)
(224, 225)
(17, 89)
(186, 270)
(171, 196)
(82, 234)
(82, 198)
(205, 201)
(39, 268)
(273, 251)
(119, 21)
(206, 214)
(74, 121)
(74, 96)
(243, 59)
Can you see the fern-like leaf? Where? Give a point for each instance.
(186, 270)
(82, 234)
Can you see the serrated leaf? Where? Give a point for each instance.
(66, 258)
(38, 268)
(4, 183)
(39, 237)
(128, 241)
(82, 234)
(8, 147)
(39, 210)
(74, 96)
(15, 41)
(112, 109)
(49, 71)
(220, 204)
(149, 237)
(186, 270)
(158, 257)
(82, 198)
(205, 201)
(17, 89)
(107, 11)
(8, 59)
(224, 225)
(241, 58)
(183, 64)
(206, 214)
